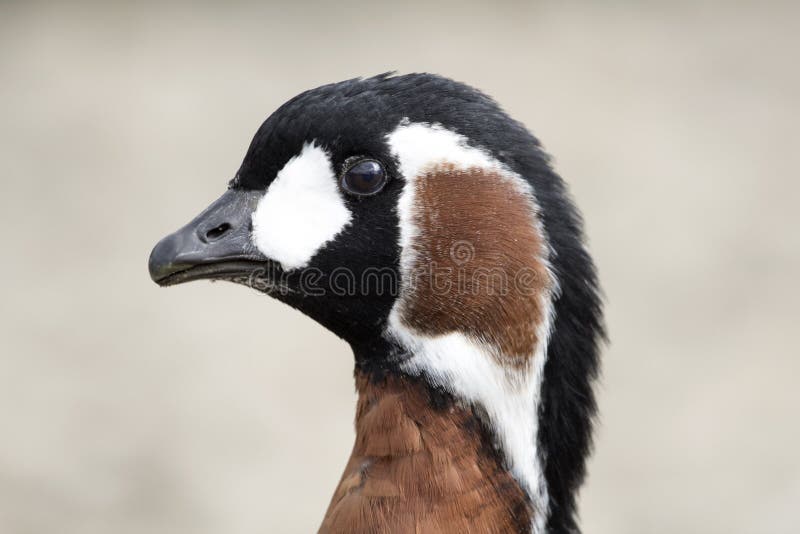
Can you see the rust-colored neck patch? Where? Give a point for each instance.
(477, 261)
(416, 468)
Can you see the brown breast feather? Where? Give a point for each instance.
(417, 468)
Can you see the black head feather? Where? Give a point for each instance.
(353, 118)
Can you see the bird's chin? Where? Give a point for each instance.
(250, 273)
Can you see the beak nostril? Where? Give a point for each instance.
(217, 232)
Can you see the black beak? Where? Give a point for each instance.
(215, 245)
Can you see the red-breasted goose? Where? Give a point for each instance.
(416, 220)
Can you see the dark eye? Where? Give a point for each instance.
(364, 178)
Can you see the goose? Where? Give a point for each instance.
(415, 219)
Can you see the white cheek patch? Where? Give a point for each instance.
(301, 211)
(509, 396)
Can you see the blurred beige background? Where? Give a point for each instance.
(208, 408)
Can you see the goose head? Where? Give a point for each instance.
(415, 219)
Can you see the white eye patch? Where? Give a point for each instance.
(301, 211)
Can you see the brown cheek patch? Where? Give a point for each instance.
(477, 263)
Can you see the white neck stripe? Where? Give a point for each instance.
(509, 396)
